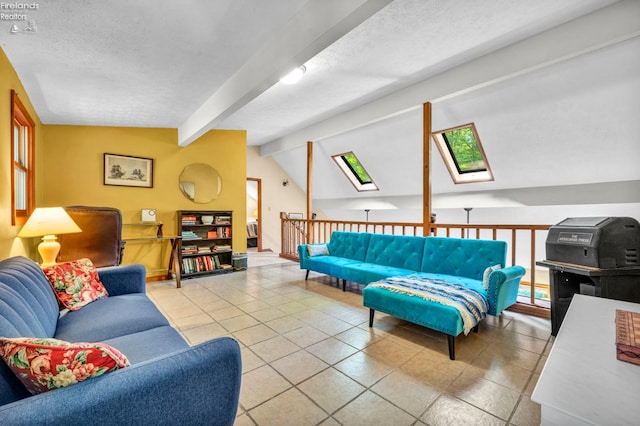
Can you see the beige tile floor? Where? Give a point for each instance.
(309, 357)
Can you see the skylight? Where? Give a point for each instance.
(354, 171)
(463, 155)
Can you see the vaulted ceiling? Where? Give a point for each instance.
(548, 83)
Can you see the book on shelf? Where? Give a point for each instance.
(189, 235)
(223, 220)
(219, 233)
(216, 261)
(225, 266)
(196, 264)
(222, 247)
(190, 249)
(189, 220)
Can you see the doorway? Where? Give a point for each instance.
(254, 214)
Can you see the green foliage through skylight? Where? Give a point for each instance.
(356, 167)
(354, 171)
(463, 154)
(464, 149)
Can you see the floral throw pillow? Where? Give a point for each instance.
(46, 364)
(75, 283)
(487, 272)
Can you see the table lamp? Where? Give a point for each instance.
(46, 222)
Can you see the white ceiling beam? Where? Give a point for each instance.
(318, 24)
(602, 28)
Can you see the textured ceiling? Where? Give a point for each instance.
(156, 63)
(537, 77)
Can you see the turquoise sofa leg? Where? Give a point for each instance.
(475, 329)
(371, 312)
(306, 277)
(452, 349)
(344, 285)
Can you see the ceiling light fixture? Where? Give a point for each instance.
(294, 76)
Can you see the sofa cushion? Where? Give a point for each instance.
(75, 283)
(365, 273)
(149, 344)
(28, 306)
(110, 317)
(350, 245)
(46, 364)
(330, 265)
(462, 257)
(399, 251)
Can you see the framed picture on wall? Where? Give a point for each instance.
(125, 170)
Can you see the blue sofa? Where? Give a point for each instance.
(366, 258)
(168, 382)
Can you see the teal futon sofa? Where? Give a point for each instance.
(446, 284)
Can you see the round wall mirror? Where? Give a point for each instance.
(200, 183)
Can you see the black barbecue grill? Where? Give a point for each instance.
(597, 256)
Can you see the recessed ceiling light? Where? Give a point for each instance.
(294, 76)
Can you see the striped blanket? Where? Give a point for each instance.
(473, 306)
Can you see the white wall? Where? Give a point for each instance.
(275, 197)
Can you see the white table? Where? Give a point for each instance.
(582, 382)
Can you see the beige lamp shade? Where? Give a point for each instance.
(46, 222)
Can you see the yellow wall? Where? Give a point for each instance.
(69, 171)
(73, 160)
(11, 245)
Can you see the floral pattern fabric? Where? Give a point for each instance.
(75, 283)
(46, 364)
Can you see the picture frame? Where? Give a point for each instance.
(126, 170)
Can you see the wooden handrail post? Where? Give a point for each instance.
(426, 172)
(309, 189)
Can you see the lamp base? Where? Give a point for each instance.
(48, 249)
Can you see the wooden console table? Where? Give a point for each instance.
(583, 383)
(174, 262)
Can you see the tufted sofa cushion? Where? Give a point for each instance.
(461, 257)
(350, 245)
(399, 251)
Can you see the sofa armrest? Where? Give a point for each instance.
(503, 288)
(197, 385)
(303, 254)
(123, 279)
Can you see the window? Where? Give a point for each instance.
(463, 155)
(354, 171)
(22, 162)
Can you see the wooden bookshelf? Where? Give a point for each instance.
(205, 244)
